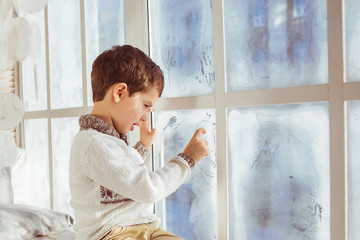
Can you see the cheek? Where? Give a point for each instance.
(136, 114)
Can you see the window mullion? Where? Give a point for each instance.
(221, 127)
(83, 54)
(48, 87)
(337, 123)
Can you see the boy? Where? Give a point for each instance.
(112, 191)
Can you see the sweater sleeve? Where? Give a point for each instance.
(115, 168)
(143, 151)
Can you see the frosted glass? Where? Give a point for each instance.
(275, 43)
(353, 154)
(34, 71)
(279, 172)
(105, 27)
(65, 53)
(181, 43)
(38, 157)
(352, 38)
(191, 211)
(64, 130)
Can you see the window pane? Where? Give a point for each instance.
(64, 130)
(181, 42)
(65, 53)
(105, 27)
(191, 211)
(275, 43)
(352, 38)
(279, 172)
(34, 71)
(353, 153)
(38, 156)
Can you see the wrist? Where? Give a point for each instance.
(189, 159)
(148, 146)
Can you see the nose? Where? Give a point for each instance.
(145, 116)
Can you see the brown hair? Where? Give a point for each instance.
(128, 65)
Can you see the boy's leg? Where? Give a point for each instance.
(135, 232)
(160, 234)
(157, 233)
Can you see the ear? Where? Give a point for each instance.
(118, 92)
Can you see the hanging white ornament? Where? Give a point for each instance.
(7, 149)
(11, 111)
(19, 38)
(6, 61)
(5, 10)
(29, 6)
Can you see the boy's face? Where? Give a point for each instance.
(129, 112)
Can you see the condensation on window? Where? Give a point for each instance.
(181, 42)
(38, 156)
(105, 27)
(352, 38)
(63, 133)
(65, 53)
(279, 172)
(353, 154)
(190, 212)
(291, 34)
(33, 70)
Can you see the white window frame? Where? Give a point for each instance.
(336, 92)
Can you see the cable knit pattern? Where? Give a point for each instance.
(110, 185)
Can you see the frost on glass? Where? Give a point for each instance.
(353, 154)
(38, 157)
(181, 43)
(105, 27)
(65, 53)
(352, 38)
(275, 43)
(33, 71)
(191, 211)
(64, 130)
(279, 172)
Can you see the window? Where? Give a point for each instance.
(190, 212)
(273, 100)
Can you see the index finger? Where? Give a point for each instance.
(198, 132)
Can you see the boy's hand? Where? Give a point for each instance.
(197, 148)
(146, 136)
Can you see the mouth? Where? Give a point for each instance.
(133, 126)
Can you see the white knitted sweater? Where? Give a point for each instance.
(109, 182)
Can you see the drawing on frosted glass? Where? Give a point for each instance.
(279, 172)
(65, 53)
(352, 37)
(353, 154)
(190, 212)
(259, 13)
(299, 7)
(64, 131)
(292, 35)
(184, 49)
